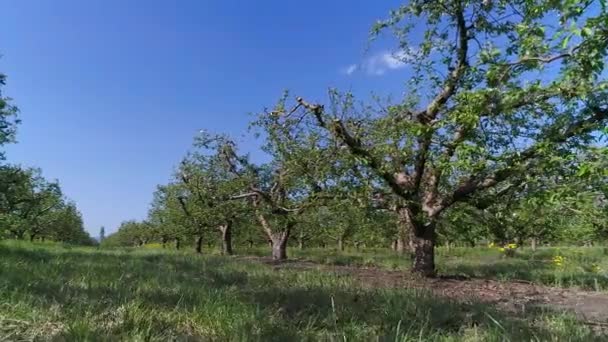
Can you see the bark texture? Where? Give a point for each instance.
(424, 240)
(279, 245)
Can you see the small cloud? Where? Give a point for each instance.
(382, 62)
(349, 70)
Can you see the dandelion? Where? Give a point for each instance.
(558, 261)
(508, 249)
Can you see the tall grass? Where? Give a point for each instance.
(54, 292)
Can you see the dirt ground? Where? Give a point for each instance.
(512, 296)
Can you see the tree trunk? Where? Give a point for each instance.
(164, 242)
(405, 231)
(301, 240)
(250, 242)
(424, 250)
(340, 244)
(278, 240)
(400, 245)
(177, 243)
(226, 230)
(32, 237)
(199, 245)
(533, 244)
(279, 245)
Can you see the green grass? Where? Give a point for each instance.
(54, 292)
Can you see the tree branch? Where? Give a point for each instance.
(474, 184)
(430, 113)
(338, 130)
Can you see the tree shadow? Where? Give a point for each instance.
(395, 314)
(510, 269)
(286, 304)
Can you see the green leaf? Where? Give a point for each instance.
(586, 32)
(565, 42)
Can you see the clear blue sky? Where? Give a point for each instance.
(112, 92)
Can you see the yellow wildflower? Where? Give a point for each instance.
(491, 244)
(502, 249)
(558, 260)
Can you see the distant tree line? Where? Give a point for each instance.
(32, 207)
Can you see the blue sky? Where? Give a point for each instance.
(112, 92)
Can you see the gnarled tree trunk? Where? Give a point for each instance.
(177, 243)
(226, 230)
(424, 240)
(279, 244)
(278, 240)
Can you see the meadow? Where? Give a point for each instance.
(61, 293)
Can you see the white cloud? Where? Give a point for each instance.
(381, 62)
(349, 70)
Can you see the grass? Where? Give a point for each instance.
(583, 267)
(60, 293)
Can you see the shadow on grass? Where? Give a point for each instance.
(188, 297)
(500, 269)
